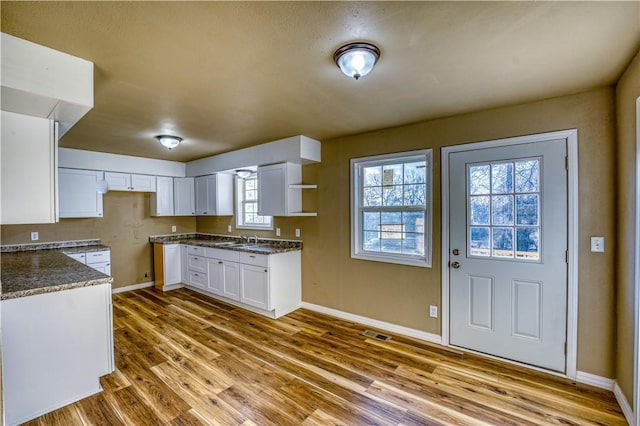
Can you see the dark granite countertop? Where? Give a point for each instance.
(30, 271)
(263, 246)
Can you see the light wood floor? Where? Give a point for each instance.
(185, 359)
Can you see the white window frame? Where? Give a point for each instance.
(240, 203)
(357, 252)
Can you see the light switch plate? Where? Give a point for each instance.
(433, 311)
(277, 232)
(597, 244)
(34, 236)
(228, 228)
(297, 232)
(173, 228)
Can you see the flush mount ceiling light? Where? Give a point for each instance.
(169, 141)
(244, 173)
(356, 59)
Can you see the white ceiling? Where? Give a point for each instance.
(225, 75)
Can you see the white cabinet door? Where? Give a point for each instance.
(78, 194)
(28, 149)
(254, 286)
(143, 183)
(214, 195)
(184, 266)
(231, 282)
(162, 199)
(216, 276)
(129, 182)
(80, 257)
(184, 196)
(104, 267)
(118, 181)
(172, 264)
(271, 190)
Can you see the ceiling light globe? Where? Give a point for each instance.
(356, 59)
(169, 141)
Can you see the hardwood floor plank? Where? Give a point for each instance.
(97, 411)
(184, 358)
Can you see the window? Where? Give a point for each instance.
(247, 205)
(391, 208)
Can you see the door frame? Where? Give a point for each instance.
(571, 136)
(636, 356)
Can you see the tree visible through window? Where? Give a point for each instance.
(391, 208)
(247, 205)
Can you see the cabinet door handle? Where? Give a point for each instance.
(204, 213)
(220, 263)
(253, 257)
(195, 258)
(196, 275)
(266, 270)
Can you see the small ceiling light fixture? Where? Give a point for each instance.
(244, 173)
(169, 141)
(356, 59)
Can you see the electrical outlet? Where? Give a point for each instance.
(597, 244)
(173, 228)
(228, 228)
(277, 232)
(146, 275)
(297, 232)
(433, 311)
(34, 236)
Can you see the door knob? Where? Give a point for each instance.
(455, 265)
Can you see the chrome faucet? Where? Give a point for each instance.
(255, 239)
(244, 238)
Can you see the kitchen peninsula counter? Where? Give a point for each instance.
(32, 269)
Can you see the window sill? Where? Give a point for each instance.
(419, 262)
(256, 228)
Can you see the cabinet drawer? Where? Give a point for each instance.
(197, 279)
(195, 250)
(80, 257)
(197, 263)
(98, 257)
(104, 267)
(254, 259)
(228, 255)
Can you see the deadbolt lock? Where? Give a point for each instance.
(456, 252)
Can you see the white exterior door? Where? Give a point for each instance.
(507, 252)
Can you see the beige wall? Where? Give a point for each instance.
(627, 91)
(125, 227)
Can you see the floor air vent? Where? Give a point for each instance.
(375, 335)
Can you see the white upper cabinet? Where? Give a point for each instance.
(214, 195)
(280, 190)
(130, 182)
(43, 82)
(28, 172)
(78, 193)
(162, 199)
(184, 200)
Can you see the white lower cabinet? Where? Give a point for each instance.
(267, 284)
(172, 273)
(254, 286)
(58, 346)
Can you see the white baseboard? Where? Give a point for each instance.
(594, 380)
(624, 404)
(382, 325)
(133, 287)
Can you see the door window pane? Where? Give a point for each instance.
(502, 178)
(479, 182)
(527, 209)
(479, 210)
(479, 237)
(527, 244)
(502, 210)
(527, 179)
(502, 242)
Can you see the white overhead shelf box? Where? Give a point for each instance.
(43, 82)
